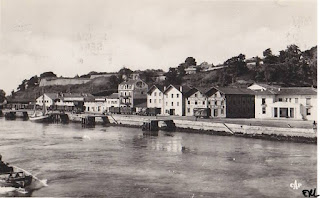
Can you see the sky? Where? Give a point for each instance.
(71, 37)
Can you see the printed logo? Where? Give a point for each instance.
(295, 185)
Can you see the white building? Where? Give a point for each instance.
(285, 102)
(49, 99)
(196, 98)
(191, 70)
(174, 99)
(155, 97)
(101, 104)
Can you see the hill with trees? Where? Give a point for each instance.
(291, 67)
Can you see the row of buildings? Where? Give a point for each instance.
(256, 101)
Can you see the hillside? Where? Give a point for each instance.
(292, 67)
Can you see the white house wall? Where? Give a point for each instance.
(217, 102)
(47, 100)
(269, 100)
(196, 100)
(171, 101)
(155, 100)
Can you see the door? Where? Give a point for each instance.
(215, 112)
(172, 111)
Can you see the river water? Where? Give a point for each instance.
(123, 162)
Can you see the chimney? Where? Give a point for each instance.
(180, 88)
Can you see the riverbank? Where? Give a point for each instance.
(279, 130)
(305, 135)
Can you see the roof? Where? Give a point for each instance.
(266, 85)
(19, 100)
(53, 96)
(73, 95)
(235, 91)
(202, 90)
(297, 91)
(288, 91)
(113, 96)
(160, 87)
(184, 88)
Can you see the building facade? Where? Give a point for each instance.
(155, 97)
(287, 102)
(174, 100)
(196, 98)
(132, 92)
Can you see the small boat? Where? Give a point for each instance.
(18, 179)
(10, 115)
(41, 117)
(15, 179)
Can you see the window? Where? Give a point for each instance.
(171, 95)
(159, 93)
(208, 102)
(150, 101)
(159, 100)
(166, 95)
(263, 110)
(171, 103)
(195, 102)
(289, 99)
(222, 111)
(155, 100)
(188, 102)
(155, 93)
(308, 101)
(188, 110)
(296, 100)
(178, 104)
(280, 99)
(125, 93)
(215, 102)
(308, 111)
(203, 102)
(166, 103)
(141, 93)
(177, 95)
(263, 101)
(195, 95)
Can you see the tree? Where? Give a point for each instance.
(48, 74)
(2, 96)
(236, 66)
(172, 77)
(22, 86)
(124, 73)
(33, 82)
(114, 82)
(269, 58)
(147, 75)
(190, 61)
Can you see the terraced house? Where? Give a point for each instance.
(174, 99)
(155, 97)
